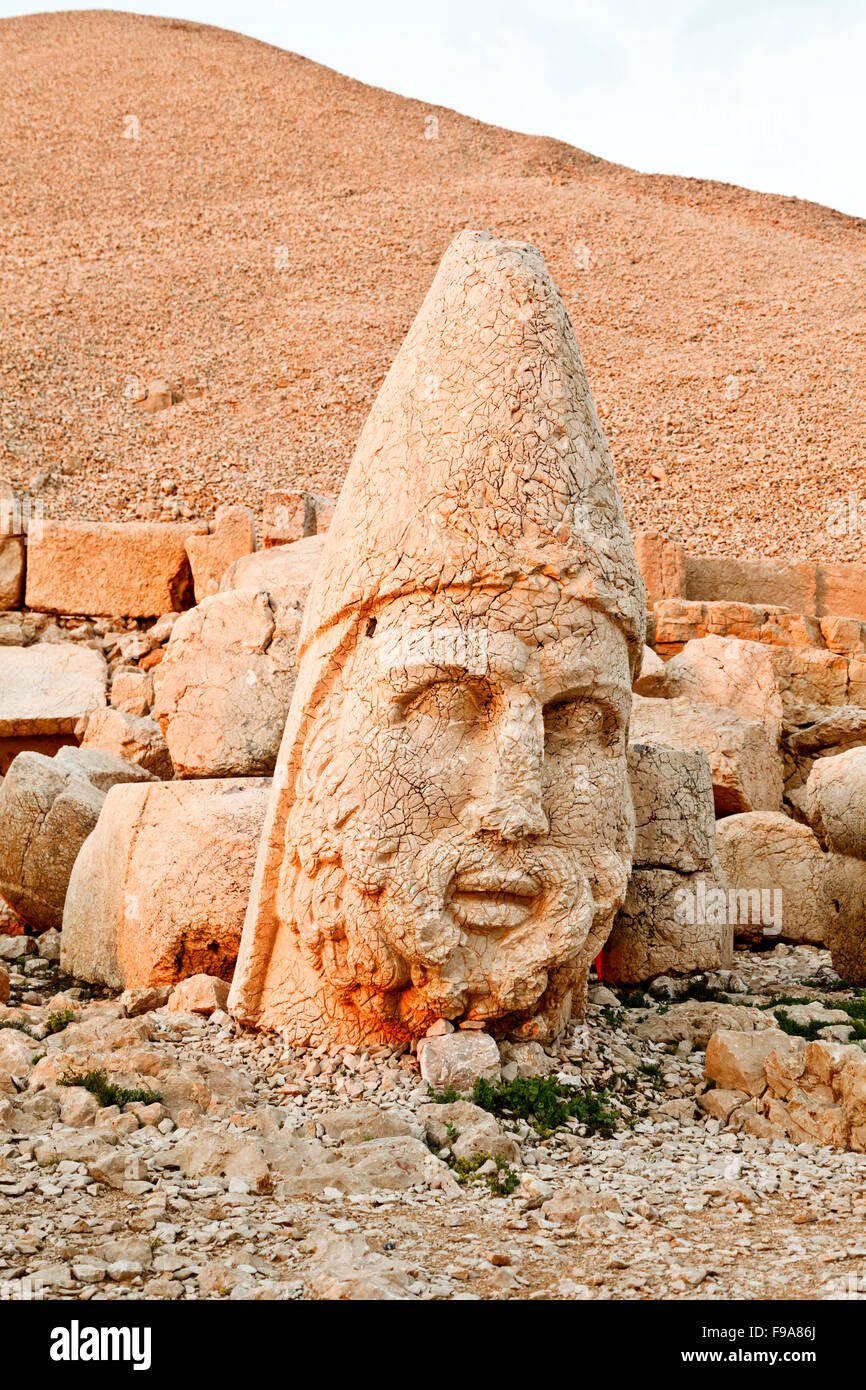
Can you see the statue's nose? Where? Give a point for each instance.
(509, 801)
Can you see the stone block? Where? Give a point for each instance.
(134, 569)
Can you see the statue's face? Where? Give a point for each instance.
(469, 783)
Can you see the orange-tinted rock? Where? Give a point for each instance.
(662, 564)
(745, 763)
(770, 582)
(233, 535)
(47, 688)
(199, 994)
(160, 888)
(129, 569)
(285, 573)
(223, 689)
(136, 738)
(12, 553)
(450, 830)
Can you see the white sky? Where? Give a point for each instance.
(764, 93)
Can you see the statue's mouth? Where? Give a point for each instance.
(483, 900)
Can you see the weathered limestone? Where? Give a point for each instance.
(662, 564)
(137, 739)
(679, 621)
(223, 688)
(846, 938)
(285, 573)
(811, 676)
(450, 831)
(774, 582)
(48, 807)
(652, 679)
(670, 924)
(663, 926)
(764, 853)
(457, 1060)
(728, 671)
(45, 689)
(158, 891)
(672, 792)
(233, 535)
(12, 554)
(290, 516)
(199, 994)
(744, 761)
(835, 802)
(842, 590)
(132, 691)
(115, 569)
(811, 1092)
(736, 1060)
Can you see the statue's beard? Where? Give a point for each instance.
(461, 925)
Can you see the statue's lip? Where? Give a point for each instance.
(515, 882)
(487, 900)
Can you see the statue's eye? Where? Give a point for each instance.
(467, 703)
(568, 723)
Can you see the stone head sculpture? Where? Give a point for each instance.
(450, 830)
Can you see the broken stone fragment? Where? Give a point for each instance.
(132, 691)
(45, 689)
(671, 923)
(12, 558)
(48, 807)
(672, 793)
(730, 672)
(223, 689)
(233, 535)
(745, 762)
(779, 876)
(199, 994)
(458, 1060)
(113, 569)
(835, 802)
(286, 573)
(137, 740)
(130, 928)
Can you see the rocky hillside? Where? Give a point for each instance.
(186, 206)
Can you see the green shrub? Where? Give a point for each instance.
(107, 1092)
(546, 1104)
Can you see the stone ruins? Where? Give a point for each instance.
(320, 836)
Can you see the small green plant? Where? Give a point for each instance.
(546, 1104)
(58, 1021)
(652, 1072)
(107, 1092)
(446, 1097)
(13, 1023)
(503, 1182)
(782, 999)
(702, 993)
(810, 1031)
(613, 1017)
(635, 1000)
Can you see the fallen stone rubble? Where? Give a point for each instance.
(263, 1172)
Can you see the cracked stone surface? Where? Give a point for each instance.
(450, 831)
(272, 1172)
(159, 890)
(222, 691)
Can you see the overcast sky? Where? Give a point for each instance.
(764, 93)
